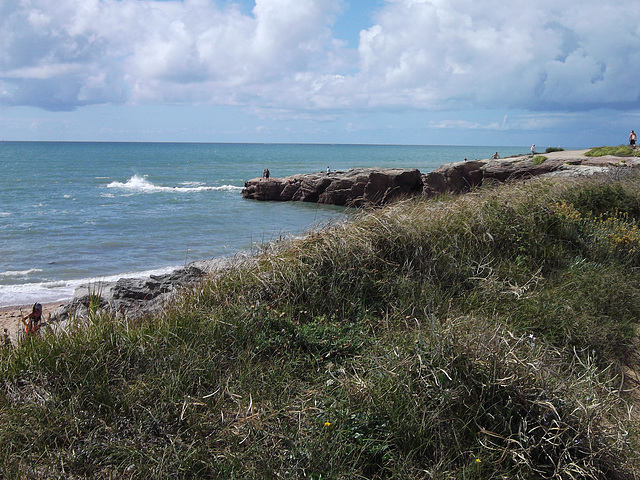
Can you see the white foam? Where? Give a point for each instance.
(62, 290)
(138, 184)
(20, 273)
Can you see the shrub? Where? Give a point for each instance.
(619, 151)
(539, 159)
(554, 149)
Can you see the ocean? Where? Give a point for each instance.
(78, 212)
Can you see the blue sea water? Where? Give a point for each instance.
(73, 212)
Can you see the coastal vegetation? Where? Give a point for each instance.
(489, 335)
(619, 151)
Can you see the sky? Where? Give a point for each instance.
(421, 72)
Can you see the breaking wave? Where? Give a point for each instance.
(138, 184)
(20, 273)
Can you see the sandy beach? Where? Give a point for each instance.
(10, 316)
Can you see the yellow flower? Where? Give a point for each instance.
(478, 460)
(327, 424)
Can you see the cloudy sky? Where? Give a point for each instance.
(465, 72)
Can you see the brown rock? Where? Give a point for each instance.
(453, 178)
(378, 186)
(356, 187)
(518, 167)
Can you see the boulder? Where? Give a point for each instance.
(453, 178)
(135, 297)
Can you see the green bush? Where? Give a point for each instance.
(619, 151)
(554, 149)
(539, 159)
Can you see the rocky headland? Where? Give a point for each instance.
(365, 187)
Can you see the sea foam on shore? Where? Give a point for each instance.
(62, 290)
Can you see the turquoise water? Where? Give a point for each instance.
(74, 212)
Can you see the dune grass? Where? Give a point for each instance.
(481, 336)
(618, 151)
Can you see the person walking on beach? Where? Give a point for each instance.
(632, 139)
(533, 149)
(33, 320)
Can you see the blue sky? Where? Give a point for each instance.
(458, 72)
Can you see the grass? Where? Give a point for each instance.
(539, 159)
(619, 151)
(473, 337)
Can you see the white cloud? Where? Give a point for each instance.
(502, 54)
(416, 54)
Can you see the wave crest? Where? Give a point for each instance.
(20, 273)
(142, 185)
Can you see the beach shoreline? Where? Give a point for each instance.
(10, 316)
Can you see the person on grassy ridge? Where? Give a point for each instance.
(632, 139)
(33, 320)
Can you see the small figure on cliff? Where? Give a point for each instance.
(32, 320)
(533, 149)
(266, 173)
(495, 155)
(632, 139)
(328, 170)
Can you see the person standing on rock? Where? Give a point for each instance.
(632, 139)
(266, 173)
(533, 149)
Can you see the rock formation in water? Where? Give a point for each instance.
(354, 188)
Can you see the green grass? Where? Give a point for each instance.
(619, 151)
(539, 159)
(473, 337)
(554, 149)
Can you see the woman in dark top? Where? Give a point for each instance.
(32, 321)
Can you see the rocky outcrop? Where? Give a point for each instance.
(376, 186)
(134, 297)
(462, 176)
(354, 188)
